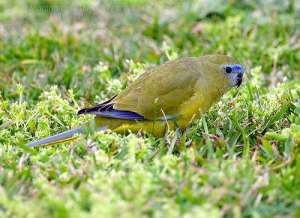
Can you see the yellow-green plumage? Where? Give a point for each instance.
(181, 90)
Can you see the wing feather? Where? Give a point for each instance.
(161, 90)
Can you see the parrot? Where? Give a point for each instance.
(165, 97)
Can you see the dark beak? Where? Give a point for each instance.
(239, 79)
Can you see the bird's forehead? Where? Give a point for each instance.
(235, 67)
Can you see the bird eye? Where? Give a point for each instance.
(228, 69)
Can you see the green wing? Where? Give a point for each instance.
(161, 90)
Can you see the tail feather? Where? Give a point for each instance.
(61, 137)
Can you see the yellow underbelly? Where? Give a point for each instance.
(196, 106)
(157, 128)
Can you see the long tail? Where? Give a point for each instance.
(61, 137)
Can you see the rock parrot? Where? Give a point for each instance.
(167, 96)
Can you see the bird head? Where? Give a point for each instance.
(234, 72)
(228, 72)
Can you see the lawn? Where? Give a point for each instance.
(241, 159)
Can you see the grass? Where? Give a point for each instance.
(241, 159)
